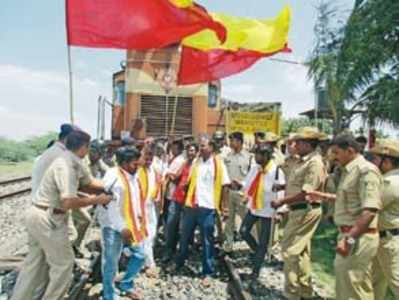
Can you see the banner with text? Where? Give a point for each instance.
(250, 122)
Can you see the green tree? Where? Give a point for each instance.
(369, 60)
(16, 151)
(323, 61)
(12, 151)
(357, 61)
(293, 124)
(39, 143)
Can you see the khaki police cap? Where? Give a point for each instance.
(290, 137)
(309, 133)
(270, 137)
(388, 147)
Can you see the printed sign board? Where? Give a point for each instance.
(250, 122)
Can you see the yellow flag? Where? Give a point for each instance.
(182, 3)
(264, 36)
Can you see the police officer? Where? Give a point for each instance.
(47, 222)
(238, 163)
(357, 203)
(221, 149)
(292, 158)
(272, 139)
(96, 168)
(303, 218)
(386, 263)
(94, 161)
(259, 136)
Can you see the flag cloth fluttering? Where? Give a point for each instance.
(205, 58)
(136, 24)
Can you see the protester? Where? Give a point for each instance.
(150, 181)
(203, 201)
(174, 207)
(123, 225)
(258, 188)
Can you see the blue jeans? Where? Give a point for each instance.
(111, 252)
(172, 227)
(204, 218)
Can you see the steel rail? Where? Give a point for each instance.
(78, 290)
(15, 193)
(235, 287)
(15, 180)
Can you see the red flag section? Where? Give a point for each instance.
(202, 66)
(134, 24)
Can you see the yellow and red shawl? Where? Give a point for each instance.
(138, 229)
(256, 191)
(153, 191)
(217, 190)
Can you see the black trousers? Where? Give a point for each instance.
(258, 247)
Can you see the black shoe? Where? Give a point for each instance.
(166, 259)
(78, 254)
(253, 284)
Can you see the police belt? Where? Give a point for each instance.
(299, 206)
(56, 211)
(384, 233)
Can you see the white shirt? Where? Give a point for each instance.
(204, 192)
(159, 165)
(270, 179)
(152, 184)
(174, 167)
(112, 215)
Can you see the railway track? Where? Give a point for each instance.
(80, 288)
(12, 187)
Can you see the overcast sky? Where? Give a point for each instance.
(33, 66)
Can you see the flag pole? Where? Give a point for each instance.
(71, 104)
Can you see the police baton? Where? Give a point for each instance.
(108, 191)
(273, 221)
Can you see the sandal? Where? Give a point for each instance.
(151, 272)
(135, 295)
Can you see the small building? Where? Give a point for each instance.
(147, 101)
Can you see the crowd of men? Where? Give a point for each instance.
(181, 186)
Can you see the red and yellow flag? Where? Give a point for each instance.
(205, 58)
(135, 24)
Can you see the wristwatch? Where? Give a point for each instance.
(350, 240)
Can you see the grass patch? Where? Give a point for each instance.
(323, 254)
(10, 170)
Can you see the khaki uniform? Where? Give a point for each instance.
(48, 231)
(43, 162)
(359, 187)
(386, 263)
(81, 218)
(237, 165)
(309, 175)
(40, 166)
(290, 163)
(98, 169)
(278, 157)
